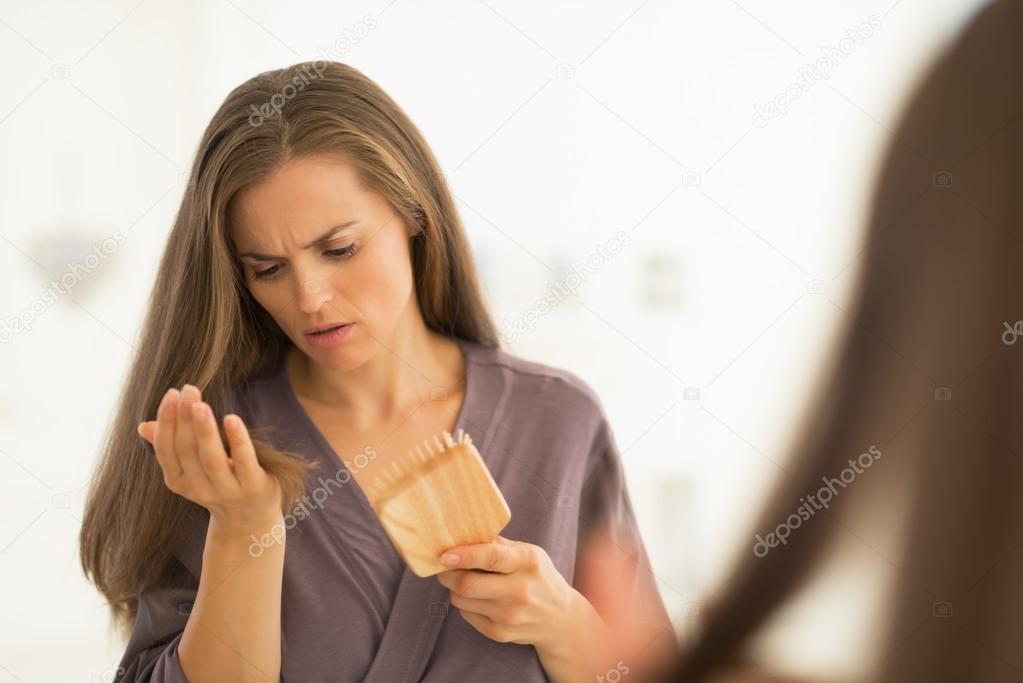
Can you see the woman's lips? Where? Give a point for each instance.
(323, 328)
(329, 337)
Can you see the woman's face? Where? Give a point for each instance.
(319, 249)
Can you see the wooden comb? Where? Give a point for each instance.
(436, 496)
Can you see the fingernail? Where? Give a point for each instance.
(139, 428)
(449, 559)
(190, 392)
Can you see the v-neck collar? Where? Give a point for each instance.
(402, 656)
(280, 376)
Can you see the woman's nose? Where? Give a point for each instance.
(312, 294)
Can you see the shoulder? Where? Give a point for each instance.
(539, 386)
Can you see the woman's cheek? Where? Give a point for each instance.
(260, 295)
(384, 277)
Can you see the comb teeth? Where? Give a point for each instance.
(403, 465)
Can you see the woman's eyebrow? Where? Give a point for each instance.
(325, 237)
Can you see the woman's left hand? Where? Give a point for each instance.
(520, 597)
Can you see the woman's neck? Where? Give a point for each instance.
(413, 366)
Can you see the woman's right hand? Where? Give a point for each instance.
(234, 488)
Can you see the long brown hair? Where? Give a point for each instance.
(929, 373)
(202, 325)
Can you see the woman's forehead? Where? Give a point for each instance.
(300, 200)
(301, 185)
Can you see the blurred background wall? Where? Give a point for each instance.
(663, 197)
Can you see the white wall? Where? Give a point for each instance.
(558, 125)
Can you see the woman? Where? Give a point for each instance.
(929, 374)
(318, 291)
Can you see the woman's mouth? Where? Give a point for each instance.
(330, 336)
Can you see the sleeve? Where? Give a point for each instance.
(152, 651)
(613, 568)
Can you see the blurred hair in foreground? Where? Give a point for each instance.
(929, 371)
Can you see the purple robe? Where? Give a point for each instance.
(351, 609)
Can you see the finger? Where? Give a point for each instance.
(472, 583)
(486, 608)
(212, 456)
(485, 625)
(493, 557)
(243, 454)
(147, 430)
(166, 422)
(184, 438)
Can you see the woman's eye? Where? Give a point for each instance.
(343, 252)
(338, 254)
(269, 272)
